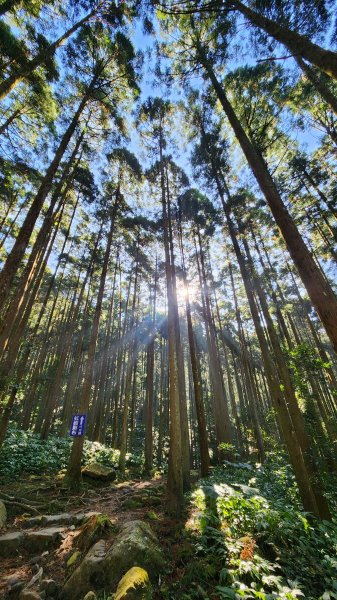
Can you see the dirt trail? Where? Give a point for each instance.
(121, 502)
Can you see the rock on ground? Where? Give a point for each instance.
(246, 490)
(136, 545)
(36, 541)
(89, 574)
(33, 541)
(97, 471)
(95, 528)
(50, 587)
(9, 543)
(58, 519)
(135, 585)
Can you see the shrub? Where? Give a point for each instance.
(25, 452)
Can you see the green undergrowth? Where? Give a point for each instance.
(25, 452)
(256, 543)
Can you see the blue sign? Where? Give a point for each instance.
(77, 425)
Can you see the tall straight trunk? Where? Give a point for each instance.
(4, 420)
(197, 387)
(230, 386)
(149, 408)
(24, 71)
(51, 286)
(185, 441)
(6, 212)
(73, 377)
(36, 256)
(162, 381)
(37, 368)
(10, 356)
(310, 180)
(312, 500)
(297, 44)
(295, 454)
(174, 491)
(320, 348)
(133, 414)
(10, 230)
(318, 288)
(282, 324)
(291, 417)
(294, 411)
(118, 387)
(53, 393)
(246, 370)
(221, 411)
(150, 382)
(293, 327)
(16, 255)
(74, 466)
(131, 354)
(129, 371)
(99, 408)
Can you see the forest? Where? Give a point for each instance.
(168, 299)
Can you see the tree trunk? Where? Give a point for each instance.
(25, 70)
(150, 384)
(317, 286)
(221, 412)
(299, 45)
(174, 491)
(197, 387)
(15, 257)
(74, 466)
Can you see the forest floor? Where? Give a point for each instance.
(242, 534)
(47, 495)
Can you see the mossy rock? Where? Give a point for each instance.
(246, 490)
(132, 504)
(135, 545)
(135, 585)
(101, 569)
(143, 498)
(72, 560)
(151, 500)
(95, 528)
(152, 516)
(88, 575)
(99, 472)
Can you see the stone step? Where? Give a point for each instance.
(9, 543)
(34, 541)
(38, 540)
(58, 519)
(42, 539)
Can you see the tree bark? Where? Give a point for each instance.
(15, 257)
(25, 70)
(318, 288)
(299, 45)
(74, 466)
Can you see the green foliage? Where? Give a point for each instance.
(25, 452)
(96, 452)
(10, 46)
(259, 546)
